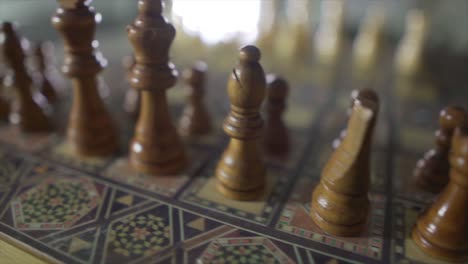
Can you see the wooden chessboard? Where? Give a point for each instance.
(57, 207)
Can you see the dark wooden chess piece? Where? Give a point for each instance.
(26, 111)
(195, 120)
(132, 96)
(156, 147)
(276, 136)
(42, 53)
(90, 131)
(441, 230)
(241, 171)
(432, 171)
(4, 103)
(340, 203)
(368, 94)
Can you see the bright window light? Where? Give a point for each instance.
(219, 20)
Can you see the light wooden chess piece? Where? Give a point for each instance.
(410, 51)
(241, 171)
(26, 111)
(329, 36)
(368, 44)
(90, 131)
(441, 230)
(195, 120)
(340, 202)
(432, 171)
(276, 136)
(42, 53)
(156, 147)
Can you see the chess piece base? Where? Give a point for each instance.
(245, 195)
(437, 252)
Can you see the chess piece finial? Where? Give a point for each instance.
(90, 131)
(356, 96)
(26, 112)
(241, 171)
(42, 53)
(276, 137)
(340, 202)
(195, 120)
(156, 147)
(432, 171)
(441, 230)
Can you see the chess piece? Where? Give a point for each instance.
(432, 171)
(26, 111)
(4, 104)
(132, 97)
(276, 136)
(156, 147)
(90, 131)
(409, 53)
(195, 120)
(356, 95)
(42, 54)
(441, 231)
(369, 40)
(241, 171)
(340, 203)
(329, 35)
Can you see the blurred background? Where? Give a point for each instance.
(424, 40)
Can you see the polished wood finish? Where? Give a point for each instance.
(195, 120)
(156, 147)
(340, 203)
(90, 131)
(241, 171)
(432, 171)
(441, 230)
(43, 55)
(26, 111)
(356, 95)
(276, 135)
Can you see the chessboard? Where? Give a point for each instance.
(60, 207)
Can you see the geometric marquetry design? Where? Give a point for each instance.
(139, 235)
(56, 203)
(295, 219)
(243, 250)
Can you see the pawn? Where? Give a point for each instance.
(132, 96)
(367, 94)
(442, 231)
(42, 53)
(340, 203)
(276, 137)
(27, 112)
(195, 120)
(431, 172)
(241, 171)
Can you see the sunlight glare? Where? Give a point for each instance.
(219, 20)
